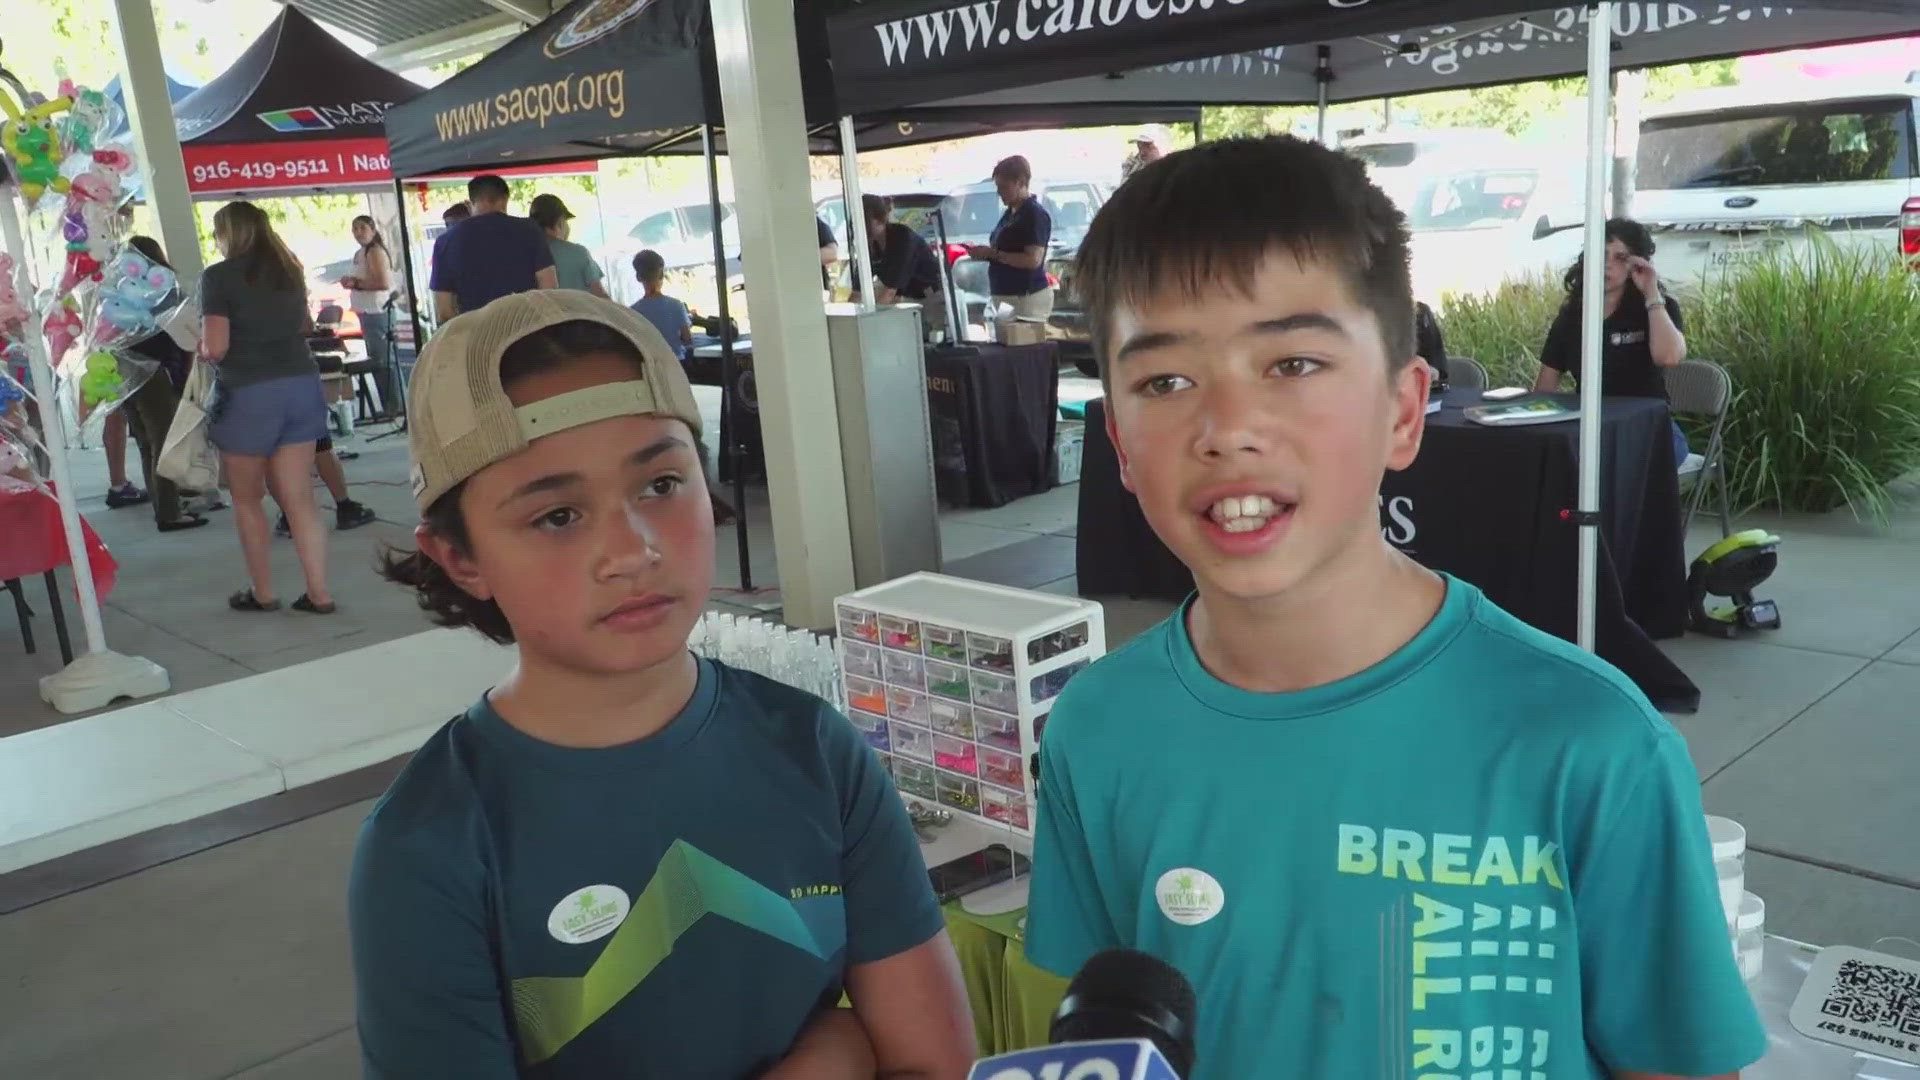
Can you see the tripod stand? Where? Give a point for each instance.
(394, 390)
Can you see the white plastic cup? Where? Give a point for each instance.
(1729, 840)
(1750, 936)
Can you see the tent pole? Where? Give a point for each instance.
(1592, 305)
(856, 215)
(730, 419)
(413, 296)
(1200, 128)
(1323, 75)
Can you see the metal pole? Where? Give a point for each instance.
(1200, 128)
(730, 417)
(1592, 312)
(1323, 75)
(413, 297)
(856, 216)
(53, 433)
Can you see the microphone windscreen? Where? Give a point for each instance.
(1125, 994)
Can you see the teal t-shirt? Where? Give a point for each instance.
(677, 907)
(1483, 858)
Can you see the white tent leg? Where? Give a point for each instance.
(1324, 72)
(1593, 310)
(100, 676)
(856, 214)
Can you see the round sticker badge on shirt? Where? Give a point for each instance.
(1188, 896)
(588, 914)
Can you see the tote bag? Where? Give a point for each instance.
(188, 457)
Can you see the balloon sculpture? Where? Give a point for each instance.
(90, 116)
(93, 200)
(133, 294)
(30, 139)
(13, 314)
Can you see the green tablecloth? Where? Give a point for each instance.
(1012, 999)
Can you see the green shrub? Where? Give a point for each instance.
(1823, 343)
(1504, 330)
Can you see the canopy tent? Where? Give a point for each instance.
(117, 94)
(298, 110)
(897, 52)
(890, 54)
(596, 82)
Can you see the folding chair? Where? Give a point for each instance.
(1703, 388)
(1465, 373)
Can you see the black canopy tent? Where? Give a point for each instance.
(634, 84)
(894, 53)
(592, 81)
(897, 52)
(299, 110)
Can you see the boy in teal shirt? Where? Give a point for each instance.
(1385, 828)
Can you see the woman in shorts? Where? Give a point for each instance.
(268, 410)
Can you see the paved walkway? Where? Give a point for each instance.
(232, 962)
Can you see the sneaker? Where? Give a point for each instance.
(126, 495)
(281, 528)
(350, 515)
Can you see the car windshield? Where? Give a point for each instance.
(658, 229)
(1472, 200)
(1821, 143)
(972, 213)
(1396, 155)
(916, 213)
(1072, 208)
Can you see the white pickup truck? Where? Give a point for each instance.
(1727, 174)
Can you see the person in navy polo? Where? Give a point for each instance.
(1017, 255)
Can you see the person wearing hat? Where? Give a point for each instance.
(623, 859)
(574, 266)
(1149, 146)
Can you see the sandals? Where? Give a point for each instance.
(184, 521)
(244, 600)
(306, 604)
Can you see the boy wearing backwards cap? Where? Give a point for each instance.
(622, 860)
(1385, 828)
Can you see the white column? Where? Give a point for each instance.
(163, 174)
(1593, 304)
(759, 75)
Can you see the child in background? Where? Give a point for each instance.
(622, 860)
(1385, 828)
(669, 316)
(675, 323)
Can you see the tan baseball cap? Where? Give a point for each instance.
(460, 420)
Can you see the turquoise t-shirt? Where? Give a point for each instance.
(678, 907)
(1483, 858)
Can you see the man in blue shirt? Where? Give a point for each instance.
(1017, 253)
(1386, 829)
(489, 255)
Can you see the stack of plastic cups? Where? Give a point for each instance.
(1745, 912)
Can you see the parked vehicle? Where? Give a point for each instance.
(1476, 221)
(1726, 175)
(683, 235)
(1400, 160)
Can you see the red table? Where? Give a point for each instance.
(32, 541)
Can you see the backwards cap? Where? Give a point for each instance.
(459, 418)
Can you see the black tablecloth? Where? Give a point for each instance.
(993, 416)
(1485, 505)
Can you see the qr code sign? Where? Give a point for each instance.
(1869, 993)
(1864, 1000)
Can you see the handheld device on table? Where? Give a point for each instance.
(990, 865)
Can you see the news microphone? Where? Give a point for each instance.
(1126, 1016)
